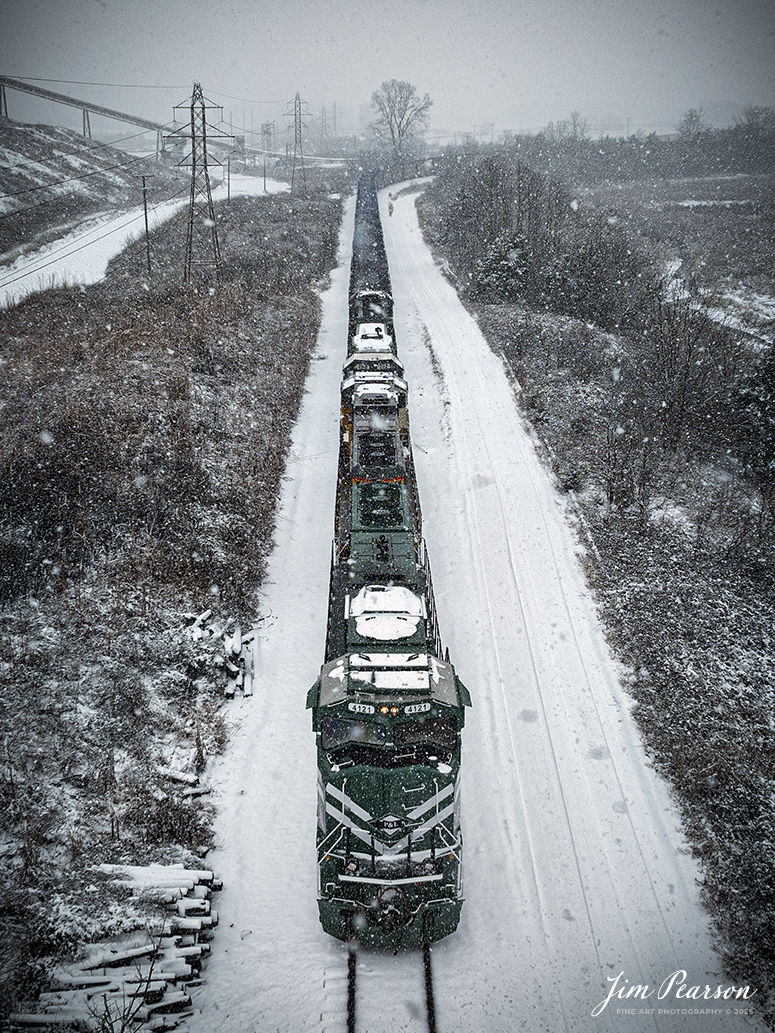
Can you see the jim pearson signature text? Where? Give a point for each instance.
(675, 984)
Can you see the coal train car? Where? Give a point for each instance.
(388, 707)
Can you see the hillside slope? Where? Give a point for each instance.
(50, 178)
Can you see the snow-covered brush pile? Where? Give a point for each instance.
(140, 981)
(147, 427)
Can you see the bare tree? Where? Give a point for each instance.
(756, 120)
(401, 113)
(693, 124)
(573, 128)
(578, 126)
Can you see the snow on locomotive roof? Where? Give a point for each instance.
(372, 673)
(387, 599)
(386, 627)
(372, 337)
(371, 393)
(386, 613)
(392, 680)
(374, 377)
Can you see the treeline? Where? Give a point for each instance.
(684, 383)
(566, 150)
(518, 235)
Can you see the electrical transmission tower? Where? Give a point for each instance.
(203, 255)
(298, 148)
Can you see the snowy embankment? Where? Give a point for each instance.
(83, 255)
(575, 869)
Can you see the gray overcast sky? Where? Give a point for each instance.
(517, 64)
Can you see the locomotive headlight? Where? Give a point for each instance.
(352, 866)
(393, 711)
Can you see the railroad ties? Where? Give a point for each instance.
(142, 981)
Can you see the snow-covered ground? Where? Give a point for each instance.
(576, 872)
(83, 255)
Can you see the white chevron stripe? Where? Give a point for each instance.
(437, 819)
(362, 834)
(350, 804)
(400, 847)
(434, 801)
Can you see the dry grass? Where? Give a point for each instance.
(147, 426)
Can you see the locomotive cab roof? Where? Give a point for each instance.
(373, 678)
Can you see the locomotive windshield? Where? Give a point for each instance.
(336, 731)
(439, 731)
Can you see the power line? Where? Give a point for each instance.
(66, 154)
(140, 86)
(243, 100)
(48, 200)
(60, 253)
(73, 179)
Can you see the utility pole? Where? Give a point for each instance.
(147, 237)
(202, 250)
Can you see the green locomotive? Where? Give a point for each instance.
(388, 708)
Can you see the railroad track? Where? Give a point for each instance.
(352, 967)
